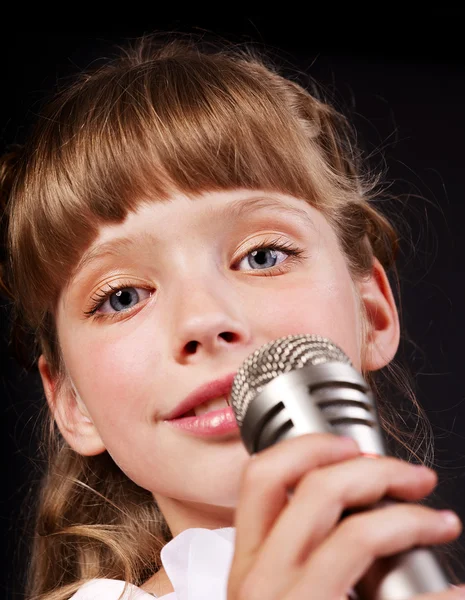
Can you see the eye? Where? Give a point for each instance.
(117, 300)
(124, 299)
(262, 258)
(269, 255)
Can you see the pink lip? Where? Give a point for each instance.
(217, 422)
(207, 391)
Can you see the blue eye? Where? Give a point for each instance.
(270, 254)
(263, 258)
(117, 300)
(124, 299)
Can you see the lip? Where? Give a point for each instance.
(216, 423)
(204, 393)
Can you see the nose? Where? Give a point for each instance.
(208, 321)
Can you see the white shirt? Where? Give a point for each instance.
(197, 562)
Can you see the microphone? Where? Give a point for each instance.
(306, 384)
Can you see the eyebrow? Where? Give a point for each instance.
(244, 207)
(114, 247)
(240, 208)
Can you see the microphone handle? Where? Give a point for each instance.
(334, 397)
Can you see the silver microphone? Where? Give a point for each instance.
(306, 384)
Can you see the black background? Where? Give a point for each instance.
(402, 82)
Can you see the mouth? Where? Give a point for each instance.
(206, 412)
(209, 397)
(207, 407)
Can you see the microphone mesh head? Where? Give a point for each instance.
(275, 358)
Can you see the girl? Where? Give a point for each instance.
(173, 211)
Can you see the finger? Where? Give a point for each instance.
(322, 495)
(453, 593)
(342, 559)
(273, 472)
(265, 484)
(317, 506)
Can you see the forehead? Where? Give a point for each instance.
(154, 221)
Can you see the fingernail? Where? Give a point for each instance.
(460, 589)
(422, 469)
(347, 442)
(450, 518)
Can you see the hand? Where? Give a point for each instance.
(297, 548)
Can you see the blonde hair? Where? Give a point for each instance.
(148, 123)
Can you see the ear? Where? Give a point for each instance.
(70, 414)
(381, 319)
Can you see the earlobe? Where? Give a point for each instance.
(70, 413)
(381, 318)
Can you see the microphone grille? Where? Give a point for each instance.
(275, 358)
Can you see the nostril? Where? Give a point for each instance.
(191, 347)
(227, 336)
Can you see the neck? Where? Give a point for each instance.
(179, 517)
(183, 515)
(159, 584)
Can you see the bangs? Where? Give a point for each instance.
(140, 130)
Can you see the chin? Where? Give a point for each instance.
(225, 499)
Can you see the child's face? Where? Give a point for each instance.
(197, 302)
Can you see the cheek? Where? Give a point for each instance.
(117, 375)
(330, 310)
(112, 370)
